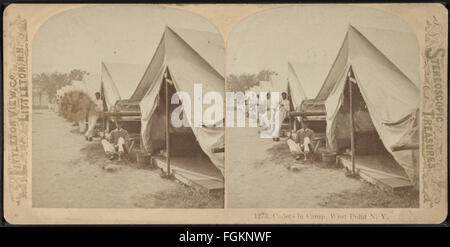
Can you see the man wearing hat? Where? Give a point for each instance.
(115, 142)
(302, 143)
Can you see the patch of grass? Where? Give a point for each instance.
(94, 153)
(370, 196)
(76, 131)
(185, 197)
(181, 197)
(280, 154)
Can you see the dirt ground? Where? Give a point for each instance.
(69, 172)
(257, 175)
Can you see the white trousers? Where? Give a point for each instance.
(282, 114)
(82, 125)
(109, 147)
(92, 121)
(297, 148)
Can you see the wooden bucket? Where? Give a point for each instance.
(143, 158)
(329, 157)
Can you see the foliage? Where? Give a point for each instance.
(50, 82)
(244, 81)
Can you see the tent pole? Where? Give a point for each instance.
(352, 130)
(167, 124)
(103, 124)
(102, 95)
(291, 125)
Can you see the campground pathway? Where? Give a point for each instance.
(65, 175)
(260, 178)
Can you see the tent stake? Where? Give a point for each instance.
(352, 130)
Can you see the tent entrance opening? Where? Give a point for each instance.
(368, 149)
(185, 155)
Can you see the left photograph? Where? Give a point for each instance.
(123, 109)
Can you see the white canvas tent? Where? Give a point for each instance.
(400, 48)
(278, 84)
(265, 86)
(255, 89)
(304, 81)
(89, 85)
(390, 95)
(274, 84)
(189, 57)
(73, 95)
(119, 81)
(92, 84)
(73, 86)
(78, 86)
(64, 90)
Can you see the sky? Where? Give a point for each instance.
(302, 34)
(81, 38)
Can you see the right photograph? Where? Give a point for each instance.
(337, 89)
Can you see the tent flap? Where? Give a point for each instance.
(390, 96)
(119, 81)
(186, 67)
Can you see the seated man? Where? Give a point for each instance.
(302, 144)
(115, 142)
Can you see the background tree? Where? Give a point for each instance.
(50, 82)
(244, 81)
(264, 75)
(77, 74)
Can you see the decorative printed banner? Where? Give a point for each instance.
(434, 119)
(17, 110)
